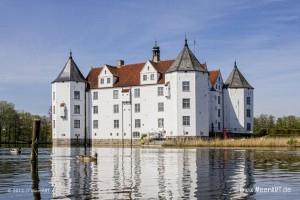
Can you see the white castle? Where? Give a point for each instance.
(159, 98)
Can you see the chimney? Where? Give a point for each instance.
(120, 63)
(156, 53)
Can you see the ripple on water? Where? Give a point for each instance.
(152, 173)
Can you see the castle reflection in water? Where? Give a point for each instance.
(152, 173)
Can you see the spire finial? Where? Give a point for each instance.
(70, 53)
(155, 43)
(185, 40)
(235, 66)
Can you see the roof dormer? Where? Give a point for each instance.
(108, 76)
(148, 74)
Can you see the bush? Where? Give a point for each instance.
(278, 132)
(261, 132)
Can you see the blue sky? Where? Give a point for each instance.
(262, 35)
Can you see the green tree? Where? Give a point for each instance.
(8, 120)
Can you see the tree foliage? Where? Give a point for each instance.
(267, 124)
(16, 126)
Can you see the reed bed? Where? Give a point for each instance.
(244, 142)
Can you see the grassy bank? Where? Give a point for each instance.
(244, 142)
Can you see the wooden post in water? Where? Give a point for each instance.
(34, 159)
(34, 140)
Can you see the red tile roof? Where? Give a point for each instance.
(213, 76)
(92, 77)
(128, 75)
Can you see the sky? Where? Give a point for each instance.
(261, 35)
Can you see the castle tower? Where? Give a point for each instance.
(187, 104)
(155, 53)
(238, 103)
(68, 105)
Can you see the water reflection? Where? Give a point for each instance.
(125, 173)
(152, 173)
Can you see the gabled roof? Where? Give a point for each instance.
(128, 75)
(70, 72)
(237, 80)
(186, 61)
(213, 76)
(113, 70)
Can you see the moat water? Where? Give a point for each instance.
(152, 173)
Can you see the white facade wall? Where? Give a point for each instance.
(250, 106)
(63, 94)
(148, 115)
(198, 111)
(216, 106)
(236, 106)
(202, 104)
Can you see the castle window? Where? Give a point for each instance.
(144, 77)
(77, 95)
(95, 109)
(248, 126)
(185, 103)
(116, 123)
(136, 134)
(219, 113)
(116, 108)
(53, 112)
(160, 123)
(152, 77)
(137, 123)
(248, 100)
(137, 92)
(219, 125)
(53, 123)
(219, 100)
(115, 94)
(95, 95)
(76, 123)
(137, 107)
(95, 124)
(160, 107)
(108, 81)
(248, 113)
(185, 86)
(186, 121)
(160, 91)
(76, 109)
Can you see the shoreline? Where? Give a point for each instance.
(239, 143)
(260, 142)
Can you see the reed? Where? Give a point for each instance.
(243, 142)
